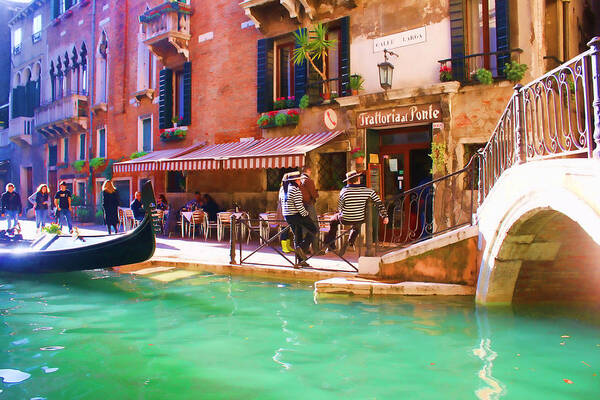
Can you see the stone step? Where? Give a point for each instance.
(365, 287)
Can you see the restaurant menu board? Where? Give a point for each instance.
(374, 178)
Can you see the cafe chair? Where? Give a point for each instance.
(199, 221)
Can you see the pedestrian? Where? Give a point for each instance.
(195, 204)
(352, 210)
(62, 201)
(296, 215)
(309, 198)
(162, 203)
(11, 206)
(110, 205)
(137, 207)
(41, 204)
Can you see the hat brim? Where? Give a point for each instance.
(352, 176)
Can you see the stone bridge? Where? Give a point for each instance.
(539, 233)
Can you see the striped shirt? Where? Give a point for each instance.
(353, 200)
(294, 204)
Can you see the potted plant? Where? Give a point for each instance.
(290, 102)
(97, 162)
(445, 73)
(78, 165)
(293, 116)
(177, 121)
(358, 155)
(484, 76)
(137, 154)
(310, 45)
(279, 103)
(356, 84)
(514, 71)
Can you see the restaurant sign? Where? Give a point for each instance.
(422, 113)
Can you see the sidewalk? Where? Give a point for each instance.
(214, 256)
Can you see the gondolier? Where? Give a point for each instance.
(352, 209)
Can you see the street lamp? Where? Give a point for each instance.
(386, 70)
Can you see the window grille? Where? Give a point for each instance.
(274, 176)
(332, 170)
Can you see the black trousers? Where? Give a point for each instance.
(300, 225)
(333, 229)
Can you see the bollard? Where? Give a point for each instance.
(369, 230)
(232, 241)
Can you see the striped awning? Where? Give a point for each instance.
(279, 152)
(151, 161)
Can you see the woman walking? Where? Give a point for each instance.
(296, 215)
(41, 204)
(110, 203)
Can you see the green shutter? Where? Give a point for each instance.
(102, 142)
(55, 8)
(66, 149)
(300, 78)
(82, 146)
(264, 75)
(502, 34)
(165, 103)
(187, 93)
(344, 48)
(457, 39)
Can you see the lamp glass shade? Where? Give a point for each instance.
(386, 73)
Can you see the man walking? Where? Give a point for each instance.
(11, 206)
(352, 209)
(62, 201)
(309, 199)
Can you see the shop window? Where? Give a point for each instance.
(176, 182)
(472, 178)
(332, 170)
(275, 67)
(274, 176)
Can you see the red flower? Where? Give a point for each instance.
(445, 68)
(272, 113)
(292, 98)
(292, 112)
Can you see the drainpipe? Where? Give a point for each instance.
(91, 90)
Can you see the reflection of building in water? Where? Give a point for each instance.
(494, 389)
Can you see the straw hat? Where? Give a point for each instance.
(352, 174)
(292, 176)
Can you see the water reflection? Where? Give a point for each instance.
(492, 388)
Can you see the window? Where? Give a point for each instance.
(175, 96)
(479, 26)
(17, 40)
(65, 150)
(285, 70)
(278, 76)
(37, 28)
(175, 182)
(81, 147)
(146, 65)
(81, 191)
(274, 176)
(52, 155)
(102, 68)
(101, 142)
(145, 134)
(332, 170)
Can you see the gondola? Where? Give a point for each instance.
(60, 253)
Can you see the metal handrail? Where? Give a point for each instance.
(492, 53)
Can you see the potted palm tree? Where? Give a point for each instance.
(313, 45)
(356, 84)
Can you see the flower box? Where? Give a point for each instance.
(274, 119)
(172, 134)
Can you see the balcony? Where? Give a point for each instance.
(259, 10)
(19, 130)
(63, 116)
(463, 68)
(166, 31)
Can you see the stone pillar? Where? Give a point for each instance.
(520, 142)
(595, 61)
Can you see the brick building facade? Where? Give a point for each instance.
(114, 74)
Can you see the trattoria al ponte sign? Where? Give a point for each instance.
(422, 113)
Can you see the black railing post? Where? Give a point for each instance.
(520, 154)
(232, 241)
(595, 61)
(369, 251)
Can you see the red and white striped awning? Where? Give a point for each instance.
(150, 161)
(279, 152)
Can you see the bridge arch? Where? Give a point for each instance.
(540, 233)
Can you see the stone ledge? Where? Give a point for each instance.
(374, 288)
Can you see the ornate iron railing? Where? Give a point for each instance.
(556, 115)
(433, 208)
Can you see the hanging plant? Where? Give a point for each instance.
(172, 134)
(438, 158)
(78, 165)
(97, 162)
(137, 154)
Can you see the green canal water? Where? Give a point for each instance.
(100, 335)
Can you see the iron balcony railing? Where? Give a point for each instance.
(464, 67)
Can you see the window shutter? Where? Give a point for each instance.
(300, 78)
(55, 8)
(68, 4)
(30, 98)
(344, 48)
(264, 75)
(502, 33)
(15, 104)
(165, 104)
(187, 93)
(457, 39)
